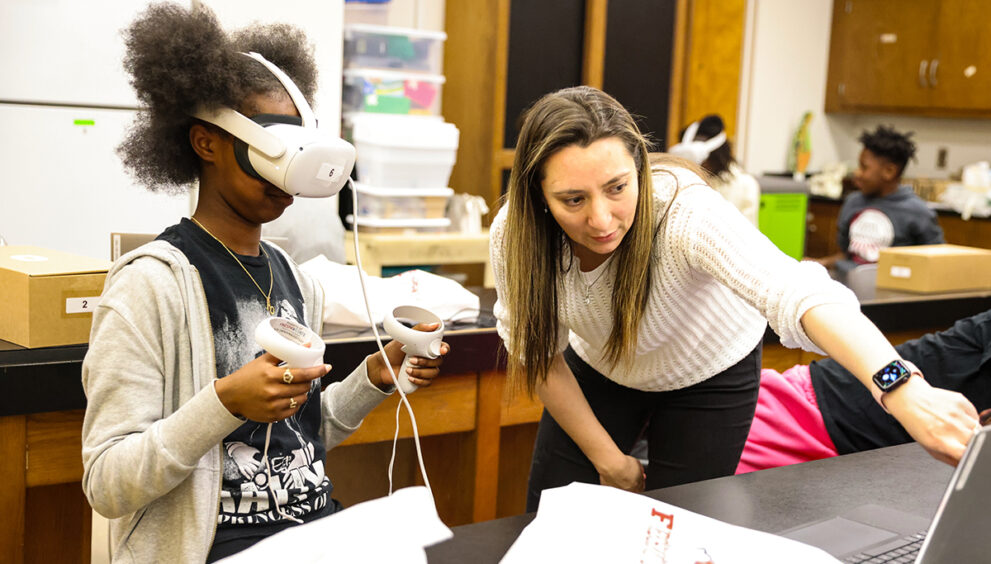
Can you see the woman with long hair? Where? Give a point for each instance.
(633, 300)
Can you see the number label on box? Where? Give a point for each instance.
(901, 272)
(81, 305)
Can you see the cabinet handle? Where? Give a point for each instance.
(932, 72)
(922, 73)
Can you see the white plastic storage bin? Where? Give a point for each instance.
(396, 48)
(391, 92)
(403, 152)
(402, 203)
(397, 226)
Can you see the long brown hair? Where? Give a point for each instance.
(536, 249)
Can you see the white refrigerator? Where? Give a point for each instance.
(65, 104)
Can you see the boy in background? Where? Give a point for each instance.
(882, 213)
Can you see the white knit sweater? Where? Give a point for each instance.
(716, 281)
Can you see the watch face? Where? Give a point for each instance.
(890, 374)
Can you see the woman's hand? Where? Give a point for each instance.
(421, 372)
(261, 390)
(940, 420)
(625, 473)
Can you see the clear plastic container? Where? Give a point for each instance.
(398, 226)
(391, 92)
(374, 13)
(402, 203)
(395, 48)
(403, 151)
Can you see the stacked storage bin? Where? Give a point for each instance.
(391, 107)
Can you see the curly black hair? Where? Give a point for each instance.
(889, 144)
(180, 60)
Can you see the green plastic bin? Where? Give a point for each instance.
(782, 219)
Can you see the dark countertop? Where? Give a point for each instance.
(48, 379)
(902, 477)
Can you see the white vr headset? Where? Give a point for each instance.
(287, 151)
(697, 151)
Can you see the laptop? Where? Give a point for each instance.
(874, 533)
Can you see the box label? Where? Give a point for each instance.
(901, 272)
(81, 305)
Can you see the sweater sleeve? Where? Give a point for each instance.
(135, 448)
(346, 403)
(929, 230)
(725, 246)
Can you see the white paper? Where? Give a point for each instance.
(391, 529)
(590, 523)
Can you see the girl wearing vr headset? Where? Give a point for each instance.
(634, 300)
(179, 395)
(704, 143)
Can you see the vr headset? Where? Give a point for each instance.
(288, 151)
(696, 151)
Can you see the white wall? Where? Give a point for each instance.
(789, 47)
(788, 44)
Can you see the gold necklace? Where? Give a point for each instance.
(268, 296)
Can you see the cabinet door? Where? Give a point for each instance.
(960, 68)
(880, 52)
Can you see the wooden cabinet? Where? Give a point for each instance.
(823, 215)
(820, 227)
(922, 57)
(502, 55)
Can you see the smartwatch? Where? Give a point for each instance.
(892, 375)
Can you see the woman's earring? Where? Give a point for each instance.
(545, 209)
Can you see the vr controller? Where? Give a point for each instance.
(415, 343)
(296, 344)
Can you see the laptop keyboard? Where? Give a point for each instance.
(899, 551)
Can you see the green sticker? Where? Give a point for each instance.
(83, 122)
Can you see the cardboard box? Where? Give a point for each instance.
(934, 268)
(47, 296)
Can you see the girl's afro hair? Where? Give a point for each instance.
(180, 60)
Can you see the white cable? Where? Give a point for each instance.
(268, 474)
(385, 357)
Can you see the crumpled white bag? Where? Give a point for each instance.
(343, 302)
(971, 196)
(390, 529)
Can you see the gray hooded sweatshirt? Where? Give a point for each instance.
(154, 426)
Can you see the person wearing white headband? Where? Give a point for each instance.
(180, 396)
(704, 143)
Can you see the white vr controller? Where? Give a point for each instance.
(294, 343)
(415, 343)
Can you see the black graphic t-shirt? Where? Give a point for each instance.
(295, 453)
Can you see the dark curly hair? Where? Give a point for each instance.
(181, 59)
(887, 143)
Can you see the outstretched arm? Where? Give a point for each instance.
(941, 420)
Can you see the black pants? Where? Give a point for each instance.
(694, 433)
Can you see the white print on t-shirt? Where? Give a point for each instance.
(870, 231)
(296, 469)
